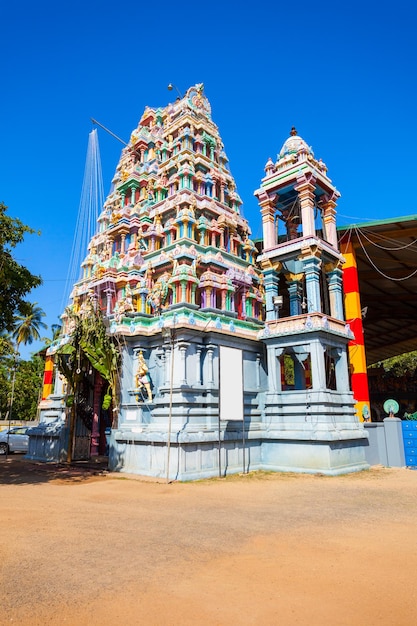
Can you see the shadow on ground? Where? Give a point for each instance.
(16, 470)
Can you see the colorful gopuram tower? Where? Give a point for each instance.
(177, 279)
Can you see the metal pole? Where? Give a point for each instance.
(243, 424)
(11, 401)
(170, 406)
(243, 445)
(220, 452)
(115, 136)
(219, 412)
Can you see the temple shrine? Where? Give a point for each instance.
(233, 355)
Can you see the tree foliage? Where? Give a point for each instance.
(27, 327)
(27, 387)
(401, 365)
(15, 279)
(90, 345)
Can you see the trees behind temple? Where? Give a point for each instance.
(20, 321)
(16, 281)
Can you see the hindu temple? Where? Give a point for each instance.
(232, 354)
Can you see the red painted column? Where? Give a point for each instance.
(356, 347)
(48, 376)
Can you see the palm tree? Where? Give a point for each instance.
(56, 334)
(27, 326)
(56, 331)
(6, 344)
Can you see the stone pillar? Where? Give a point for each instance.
(199, 349)
(168, 356)
(258, 371)
(183, 362)
(295, 292)
(183, 291)
(268, 221)
(223, 296)
(221, 244)
(318, 370)
(232, 307)
(193, 292)
(329, 220)
(271, 290)
(394, 442)
(311, 267)
(243, 302)
(301, 355)
(210, 372)
(208, 292)
(274, 368)
(341, 369)
(109, 294)
(222, 186)
(306, 188)
(336, 293)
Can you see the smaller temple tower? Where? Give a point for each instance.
(309, 398)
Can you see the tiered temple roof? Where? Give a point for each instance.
(171, 234)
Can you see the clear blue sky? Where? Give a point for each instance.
(343, 73)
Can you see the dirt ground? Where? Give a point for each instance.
(82, 547)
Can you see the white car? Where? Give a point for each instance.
(14, 439)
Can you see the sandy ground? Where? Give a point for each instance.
(78, 547)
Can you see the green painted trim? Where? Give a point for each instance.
(389, 220)
(284, 175)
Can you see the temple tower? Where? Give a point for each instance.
(173, 271)
(309, 396)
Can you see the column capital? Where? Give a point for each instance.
(293, 278)
(329, 201)
(334, 268)
(306, 183)
(268, 267)
(310, 252)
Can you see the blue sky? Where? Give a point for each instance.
(343, 73)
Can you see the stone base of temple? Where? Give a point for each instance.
(194, 456)
(314, 457)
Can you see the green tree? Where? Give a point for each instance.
(27, 387)
(27, 327)
(7, 346)
(400, 365)
(15, 279)
(89, 345)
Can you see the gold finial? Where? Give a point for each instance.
(293, 131)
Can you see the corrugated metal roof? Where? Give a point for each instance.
(386, 254)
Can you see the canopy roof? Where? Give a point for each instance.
(386, 255)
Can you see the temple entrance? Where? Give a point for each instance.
(92, 422)
(82, 442)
